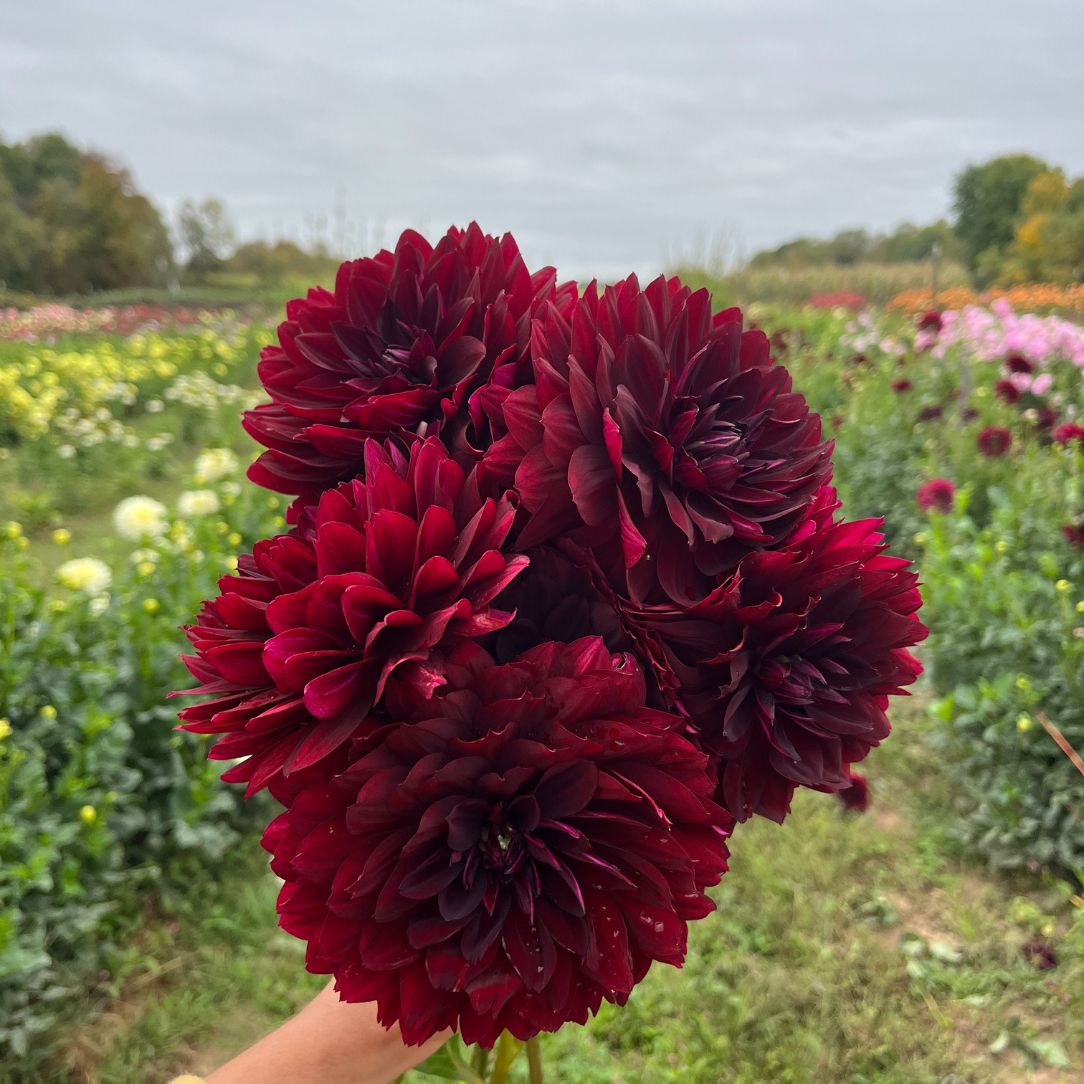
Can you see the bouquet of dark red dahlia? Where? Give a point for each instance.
(566, 595)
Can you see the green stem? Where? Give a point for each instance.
(480, 1061)
(505, 1051)
(534, 1060)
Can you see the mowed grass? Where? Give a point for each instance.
(846, 949)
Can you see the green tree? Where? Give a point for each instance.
(206, 235)
(987, 203)
(72, 222)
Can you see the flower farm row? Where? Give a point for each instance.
(121, 463)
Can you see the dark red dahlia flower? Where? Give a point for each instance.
(302, 640)
(856, 796)
(1007, 391)
(1068, 432)
(525, 846)
(411, 343)
(661, 436)
(937, 493)
(931, 413)
(1017, 363)
(930, 321)
(901, 385)
(994, 441)
(1074, 533)
(785, 669)
(1046, 417)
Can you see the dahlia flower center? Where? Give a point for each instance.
(789, 678)
(705, 451)
(501, 848)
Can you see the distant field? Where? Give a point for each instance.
(876, 282)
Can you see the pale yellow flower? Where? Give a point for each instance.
(139, 517)
(86, 574)
(214, 464)
(198, 502)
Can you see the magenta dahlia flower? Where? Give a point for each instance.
(786, 668)
(300, 643)
(994, 441)
(659, 435)
(1067, 433)
(521, 847)
(411, 343)
(937, 493)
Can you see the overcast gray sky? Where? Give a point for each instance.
(606, 135)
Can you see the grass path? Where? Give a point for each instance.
(846, 950)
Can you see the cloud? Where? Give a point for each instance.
(605, 134)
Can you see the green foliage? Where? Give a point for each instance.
(845, 949)
(72, 222)
(987, 202)
(100, 798)
(1002, 584)
(908, 243)
(207, 236)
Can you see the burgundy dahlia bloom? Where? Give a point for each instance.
(930, 321)
(931, 413)
(786, 668)
(411, 343)
(901, 385)
(1007, 391)
(994, 441)
(300, 643)
(661, 436)
(937, 493)
(1067, 433)
(1017, 363)
(523, 846)
(1074, 533)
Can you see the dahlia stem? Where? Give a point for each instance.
(480, 1061)
(534, 1060)
(506, 1050)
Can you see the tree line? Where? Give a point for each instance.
(73, 222)
(1015, 219)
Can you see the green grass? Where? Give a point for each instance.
(846, 949)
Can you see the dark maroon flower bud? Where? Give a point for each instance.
(931, 413)
(1074, 533)
(1040, 954)
(994, 441)
(1017, 363)
(937, 494)
(1007, 391)
(856, 796)
(1046, 417)
(903, 384)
